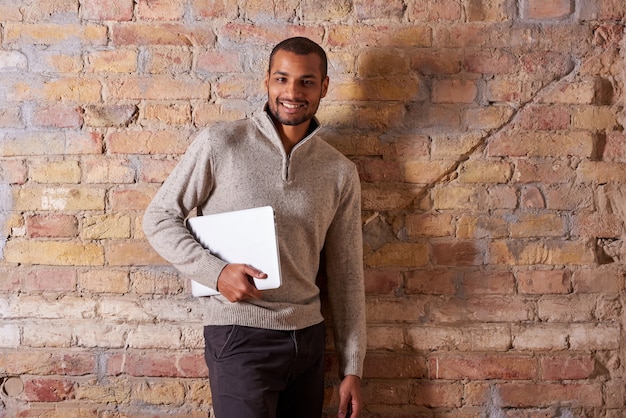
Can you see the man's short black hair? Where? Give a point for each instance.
(301, 46)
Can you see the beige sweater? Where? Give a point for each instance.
(315, 192)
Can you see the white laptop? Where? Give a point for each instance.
(244, 236)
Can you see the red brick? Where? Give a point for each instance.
(606, 280)
(454, 91)
(130, 198)
(393, 366)
(523, 144)
(458, 253)
(598, 225)
(159, 10)
(157, 365)
(615, 149)
(47, 362)
(435, 11)
(482, 367)
(53, 225)
(48, 390)
(218, 61)
(435, 282)
(377, 170)
(546, 9)
(98, 10)
(567, 367)
(156, 170)
(387, 392)
(438, 395)
(546, 65)
(544, 118)
(58, 116)
(141, 33)
(532, 198)
(544, 170)
(13, 171)
(377, 9)
(209, 9)
(436, 61)
(380, 282)
(490, 62)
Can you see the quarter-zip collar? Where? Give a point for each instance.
(266, 125)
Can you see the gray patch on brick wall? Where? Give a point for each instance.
(493, 408)
(6, 203)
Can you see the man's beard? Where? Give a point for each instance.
(291, 120)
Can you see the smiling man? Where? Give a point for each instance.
(265, 349)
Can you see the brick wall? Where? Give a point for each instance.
(489, 139)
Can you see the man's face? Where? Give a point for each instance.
(294, 87)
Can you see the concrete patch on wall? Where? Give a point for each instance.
(6, 203)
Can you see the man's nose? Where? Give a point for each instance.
(293, 89)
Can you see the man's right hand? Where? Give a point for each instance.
(235, 282)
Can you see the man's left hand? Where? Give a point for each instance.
(350, 398)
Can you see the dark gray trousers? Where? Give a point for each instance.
(260, 373)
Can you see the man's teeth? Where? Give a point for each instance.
(291, 106)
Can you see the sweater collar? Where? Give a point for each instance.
(267, 126)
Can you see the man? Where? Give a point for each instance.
(264, 349)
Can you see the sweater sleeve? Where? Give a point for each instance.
(187, 187)
(344, 270)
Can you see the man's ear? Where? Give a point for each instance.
(325, 86)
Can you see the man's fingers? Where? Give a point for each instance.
(252, 272)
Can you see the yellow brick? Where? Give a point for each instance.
(159, 114)
(456, 197)
(110, 170)
(158, 88)
(171, 392)
(132, 253)
(479, 227)
(418, 36)
(113, 61)
(399, 255)
(54, 253)
(104, 281)
(429, 225)
(404, 89)
(541, 225)
(55, 172)
(59, 199)
(582, 92)
(601, 172)
(426, 172)
(389, 197)
(148, 142)
(382, 64)
(81, 89)
(106, 226)
(491, 117)
(112, 391)
(206, 114)
(451, 147)
(55, 33)
(595, 118)
(544, 252)
(476, 171)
